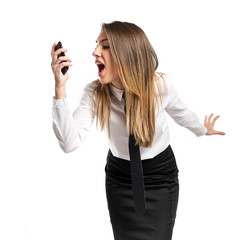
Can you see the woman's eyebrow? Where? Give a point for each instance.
(105, 39)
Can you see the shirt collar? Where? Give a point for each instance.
(116, 92)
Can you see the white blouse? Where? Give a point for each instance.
(72, 129)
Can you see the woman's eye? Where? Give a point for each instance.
(106, 47)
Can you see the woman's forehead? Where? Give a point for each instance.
(102, 36)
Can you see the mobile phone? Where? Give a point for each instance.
(59, 45)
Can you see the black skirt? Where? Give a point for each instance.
(161, 190)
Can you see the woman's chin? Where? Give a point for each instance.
(102, 81)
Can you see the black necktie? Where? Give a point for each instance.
(136, 172)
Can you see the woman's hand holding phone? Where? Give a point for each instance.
(59, 65)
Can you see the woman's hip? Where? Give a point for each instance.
(157, 170)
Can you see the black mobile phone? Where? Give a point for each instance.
(59, 45)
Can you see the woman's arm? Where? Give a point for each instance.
(182, 115)
(72, 129)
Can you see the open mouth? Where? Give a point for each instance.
(100, 68)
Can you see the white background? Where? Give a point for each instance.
(48, 194)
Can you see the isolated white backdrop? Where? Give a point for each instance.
(48, 194)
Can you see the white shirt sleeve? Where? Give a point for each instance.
(72, 129)
(180, 112)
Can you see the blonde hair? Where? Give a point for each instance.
(136, 63)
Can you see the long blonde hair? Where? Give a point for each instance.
(136, 63)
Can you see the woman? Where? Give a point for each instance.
(130, 101)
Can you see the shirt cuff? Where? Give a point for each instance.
(203, 132)
(59, 103)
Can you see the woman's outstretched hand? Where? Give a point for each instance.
(210, 125)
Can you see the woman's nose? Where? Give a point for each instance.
(96, 52)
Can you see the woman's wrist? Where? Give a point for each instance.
(60, 92)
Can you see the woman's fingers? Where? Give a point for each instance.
(65, 58)
(53, 49)
(53, 52)
(57, 61)
(205, 120)
(214, 120)
(220, 133)
(214, 132)
(61, 60)
(210, 125)
(63, 64)
(56, 53)
(60, 50)
(210, 117)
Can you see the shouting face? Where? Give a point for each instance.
(107, 70)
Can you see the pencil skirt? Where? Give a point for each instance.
(161, 191)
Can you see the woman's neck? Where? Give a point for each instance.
(117, 84)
